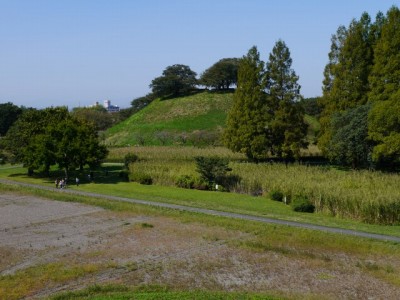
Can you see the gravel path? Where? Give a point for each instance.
(215, 212)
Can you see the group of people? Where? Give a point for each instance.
(61, 183)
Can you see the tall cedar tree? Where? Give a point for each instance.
(245, 131)
(285, 126)
(384, 117)
(346, 83)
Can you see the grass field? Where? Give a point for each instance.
(326, 257)
(156, 292)
(232, 202)
(367, 196)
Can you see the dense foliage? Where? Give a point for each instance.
(349, 145)
(245, 130)
(286, 127)
(311, 106)
(266, 117)
(221, 75)
(43, 138)
(363, 68)
(176, 80)
(212, 169)
(9, 113)
(96, 115)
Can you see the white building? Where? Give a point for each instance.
(109, 107)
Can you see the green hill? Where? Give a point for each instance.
(199, 118)
(193, 120)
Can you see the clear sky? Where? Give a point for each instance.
(77, 52)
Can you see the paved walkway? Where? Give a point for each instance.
(214, 212)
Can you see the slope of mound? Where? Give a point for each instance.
(167, 121)
(193, 120)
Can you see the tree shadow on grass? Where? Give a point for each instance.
(107, 174)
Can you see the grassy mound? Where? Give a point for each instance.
(196, 120)
(192, 119)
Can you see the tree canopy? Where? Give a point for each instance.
(221, 75)
(350, 145)
(96, 115)
(176, 80)
(245, 130)
(286, 128)
(363, 68)
(266, 117)
(9, 113)
(42, 138)
(346, 83)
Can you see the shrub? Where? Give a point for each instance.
(302, 204)
(276, 195)
(185, 181)
(229, 181)
(210, 168)
(201, 184)
(142, 178)
(255, 188)
(130, 158)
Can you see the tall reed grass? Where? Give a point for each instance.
(372, 197)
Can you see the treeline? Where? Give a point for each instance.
(266, 118)
(359, 110)
(43, 138)
(180, 80)
(360, 119)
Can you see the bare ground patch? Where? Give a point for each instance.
(136, 249)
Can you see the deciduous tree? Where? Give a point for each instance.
(222, 75)
(176, 80)
(9, 113)
(42, 138)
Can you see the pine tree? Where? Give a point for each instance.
(286, 128)
(384, 117)
(245, 131)
(346, 84)
(385, 74)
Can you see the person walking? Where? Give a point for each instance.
(77, 181)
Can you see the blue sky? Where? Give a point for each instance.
(75, 53)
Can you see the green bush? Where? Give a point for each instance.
(201, 184)
(142, 178)
(302, 204)
(211, 168)
(185, 181)
(276, 195)
(130, 158)
(229, 181)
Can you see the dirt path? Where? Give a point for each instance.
(134, 249)
(217, 213)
